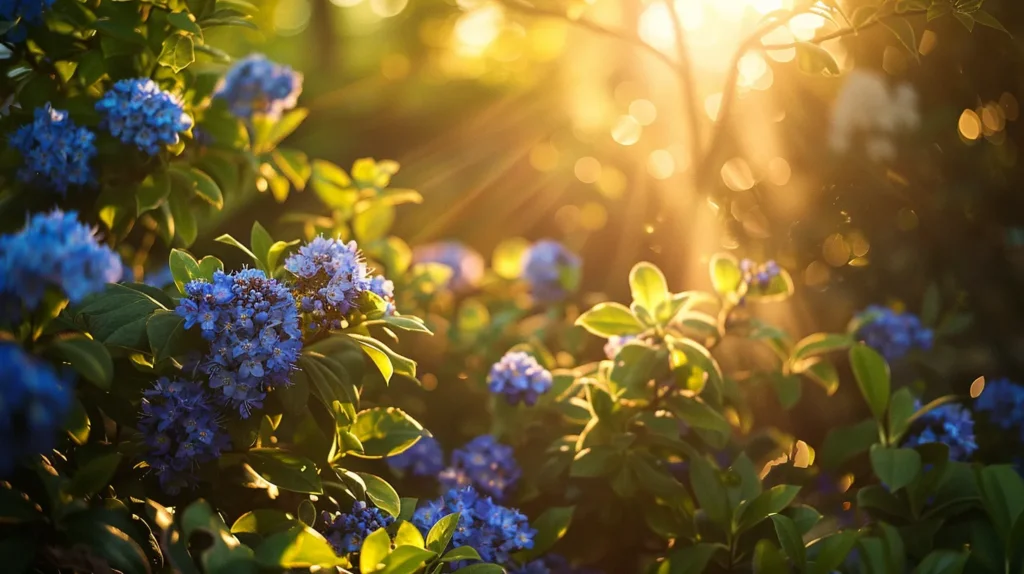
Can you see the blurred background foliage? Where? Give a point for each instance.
(517, 120)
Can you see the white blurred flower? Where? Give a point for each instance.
(869, 109)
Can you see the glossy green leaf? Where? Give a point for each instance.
(167, 334)
(285, 470)
(768, 559)
(595, 461)
(726, 276)
(648, 286)
(385, 431)
(117, 316)
(815, 345)
(551, 527)
(153, 191)
(408, 535)
(769, 502)
(872, 374)
(689, 559)
(178, 52)
(380, 493)
(710, 492)
(298, 547)
(815, 60)
(943, 562)
(844, 442)
(263, 521)
(88, 357)
(441, 532)
(896, 467)
(374, 550)
(901, 408)
(829, 552)
(790, 539)
(461, 553)
(608, 319)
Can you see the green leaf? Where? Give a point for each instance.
(904, 32)
(843, 443)
(824, 374)
(206, 188)
(635, 364)
(771, 501)
(648, 286)
(815, 345)
(481, 569)
(17, 508)
(790, 538)
(694, 412)
(181, 210)
(872, 374)
(804, 517)
(599, 460)
(178, 52)
(184, 22)
(726, 276)
(90, 529)
(285, 470)
(406, 560)
(788, 389)
(263, 521)
(184, 268)
(710, 492)
(406, 322)
(373, 223)
(94, 475)
(699, 356)
(895, 467)
(408, 535)
(461, 553)
(260, 242)
(167, 334)
(88, 357)
(985, 19)
(381, 494)
(374, 550)
(441, 532)
(268, 137)
(551, 527)
(294, 165)
(77, 423)
(117, 316)
(385, 431)
(276, 250)
(901, 408)
(608, 319)
(1002, 492)
(829, 552)
(815, 60)
(374, 349)
(689, 559)
(153, 191)
(768, 559)
(298, 547)
(943, 562)
(228, 240)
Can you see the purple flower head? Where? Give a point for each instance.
(252, 323)
(759, 276)
(346, 531)
(551, 270)
(485, 464)
(181, 430)
(424, 458)
(33, 403)
(466, 264)
(257, 86)
(56, 153)
(496, 532)
(54, 251)
(139, 113)
(893, 334)
(329, 277)
(1002, 404)
(615, 344)
(22, 12)
(519, 377)
(949, 424)
(385, 289)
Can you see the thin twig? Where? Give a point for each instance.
(687, 84)
(843, 31)
(622, 35)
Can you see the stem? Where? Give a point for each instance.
(687, 84)
(845, 31)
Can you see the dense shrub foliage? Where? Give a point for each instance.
(191, 416)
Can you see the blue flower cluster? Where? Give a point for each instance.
(56, 152)
(552, 564)
(28, 11)
(485, 464)
(330, 276)
(33, 403)
(346, 531)
(181, 429)
(551, 270)
(385, 289)
(1002, 402)
(139, 113)
(949, 424)
(893, 334)
(425, 458)
(466, 264)
(493, 530)
(519, 377)
(57, 251)
(257, 86)
(759, 276)
(252, 324)
(615, 344)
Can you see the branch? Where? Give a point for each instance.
(687, 84)
(844, 31)
(623, 35)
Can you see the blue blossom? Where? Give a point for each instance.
(347, 530)
(496, 532)
(551, 564)
(1002, 402)
(33, 403)
(139, 113)
(330, 276)
(24, 12)
(55, 152)
(181, 430)
(385, 289)
(551, 270)
(54, 251)
(485, 464)
(466, 264)
(160, 277)
(519, 377)
(893, 334)
(759, 276)
(257, 86)
(615, 344)
(949, 424)
(252, 324)
(424, 458)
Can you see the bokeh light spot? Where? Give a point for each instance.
(290, 18)
(969, 125)
(660, 164)
(382, 8)
(612, 182)
(627, 130)
(544, 156)
(977, 387)
(779, 171)
(644, 111)
(736, 174)
(587, 169)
